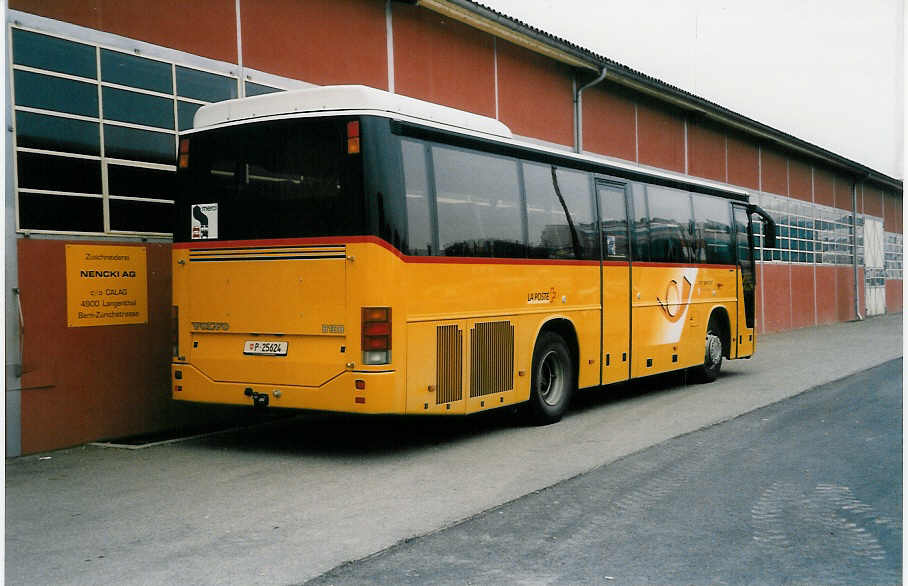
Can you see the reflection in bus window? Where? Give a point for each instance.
(419, 225)
(478, 202)
(670, 225)
(712, 230)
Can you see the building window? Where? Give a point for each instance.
(96, 133)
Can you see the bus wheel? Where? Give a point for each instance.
(712, 359)
(553, 380)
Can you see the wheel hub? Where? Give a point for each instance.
(713, 349)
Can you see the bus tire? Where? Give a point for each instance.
(712, 359)
(553, 379)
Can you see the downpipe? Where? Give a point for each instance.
(578, 110)
(854, 245)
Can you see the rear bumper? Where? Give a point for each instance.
(382, 394)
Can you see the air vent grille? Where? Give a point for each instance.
(449, 364)
(491, 358)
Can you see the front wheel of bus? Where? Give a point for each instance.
(553, 379)
(712, 359)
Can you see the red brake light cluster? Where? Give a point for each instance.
(376, 335)
(353, 137)
(184, 153)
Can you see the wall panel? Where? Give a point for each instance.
(324, 42)
(774, 171)
(894, 296)
(845, 292)
(660, 136)
(777, 301)
(799, 180)
(892, 219)
(609, 123)
(443, 61)
(705, 150)
(535, 95)
(85, 383)
(203, 27)
(872, 200)
(823, 187)
(827, 311)
(743, 162)
(802, 296)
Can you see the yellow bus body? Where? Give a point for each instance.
(463, 330)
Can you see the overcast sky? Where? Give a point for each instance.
(830, 72)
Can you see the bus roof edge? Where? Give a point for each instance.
(340, 98)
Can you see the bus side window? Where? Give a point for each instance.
(670, 224)
(712, 230)
(547, 225)
(640, 229)
(416, 185)
(478, 202)
(577, 190)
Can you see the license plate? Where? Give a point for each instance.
(264, 348)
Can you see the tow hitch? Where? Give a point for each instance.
(258, 399)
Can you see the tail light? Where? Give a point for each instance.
(376, 335)
(353, 137)
(184, 153)
(175, 330)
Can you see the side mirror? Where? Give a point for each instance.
(769, 225)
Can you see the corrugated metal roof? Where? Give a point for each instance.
(674, 94)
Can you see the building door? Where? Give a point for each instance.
(874, 268)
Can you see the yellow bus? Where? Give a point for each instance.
(347, 249)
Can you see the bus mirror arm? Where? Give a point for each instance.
(769, 225)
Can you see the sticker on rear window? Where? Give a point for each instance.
(204, 221)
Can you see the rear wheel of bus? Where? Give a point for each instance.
(553, 379)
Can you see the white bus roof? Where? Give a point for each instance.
(362, 100)
(345, 98)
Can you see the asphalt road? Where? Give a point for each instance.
(805, 491)
(289, 501)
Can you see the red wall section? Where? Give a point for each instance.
(320, 41)
(774, 167)
(892, 208)
(827, 302)
(705, 151)
(609, 123)
(894, 296)
(799, 180)
(660, 137)
(443, 61)
(203, 27)
(535, 96)
(845, 292)
(823, 187)
(777, 301)
(843, 193)
(85, 383)
(743, 162)
(802, 297)
(873, 201)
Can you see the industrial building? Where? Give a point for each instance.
(98, 91)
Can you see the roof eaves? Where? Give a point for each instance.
(475, 14)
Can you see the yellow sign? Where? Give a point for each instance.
(106, 285)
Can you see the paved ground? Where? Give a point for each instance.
(290, 501)
(805, 491)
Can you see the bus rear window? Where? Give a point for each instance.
(280, 179)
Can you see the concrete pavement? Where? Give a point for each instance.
(286, 502)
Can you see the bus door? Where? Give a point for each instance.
(616, 315)
(746, 280)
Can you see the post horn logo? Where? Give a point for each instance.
(675, 294)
